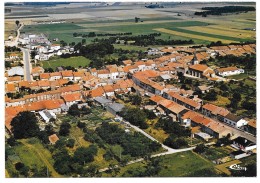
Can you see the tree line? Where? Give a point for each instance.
(93, 34)
(225, 9)
(144, 40)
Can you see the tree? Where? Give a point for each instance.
(249, 105)
(200, 148)
(84, 155)
(24, 125)
(92, 171)
(150, 114)
(135, 116)
(40, 173)
(233, 103)
(81, 124)
(136, 99)
(64, 129)
(62, 161)
(211, 96)
(74, 110)
(17, 22)
(43, 136)
(83, 41)
(237, 96)
(85, 110)
(70, 143)
(11, 141)
(153, 167)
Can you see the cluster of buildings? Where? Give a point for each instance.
(55, 92)
(43, 47)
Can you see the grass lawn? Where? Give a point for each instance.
(38, 154)
(183, 164)
(176, 165)
(239, 76)
(10, 170)
(250, 82)
(73, 61)
(213, 153)
(28, 156)
(221, 101)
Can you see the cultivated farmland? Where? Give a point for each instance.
(191, 36)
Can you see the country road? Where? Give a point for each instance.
(15, 41)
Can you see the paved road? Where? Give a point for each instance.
(27, 65)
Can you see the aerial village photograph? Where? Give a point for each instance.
(129, 89)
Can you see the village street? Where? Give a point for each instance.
(27, 64)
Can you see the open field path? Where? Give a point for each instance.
(42, 157)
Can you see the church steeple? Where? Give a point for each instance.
(195, 60)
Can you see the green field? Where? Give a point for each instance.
(32, 153)
(73, 61)
(149, 25)
(239, 76)
(65, 31)
(176, 165)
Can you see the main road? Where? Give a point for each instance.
(27, 64)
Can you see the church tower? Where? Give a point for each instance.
(194, 60)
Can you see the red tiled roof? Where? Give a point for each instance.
(37, 70)
(227, 69)
(98, 92)
(252, 123)
(70, 88)
(44, 83)
(103, 71)
(199, 67)
(126, 62)
(67, 73)
(14, 78)
(10, 87)
(53, 138)
(108, 88)
(44, 76)
(72, 97)
(55, 74)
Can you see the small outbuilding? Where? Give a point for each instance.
(53, 139)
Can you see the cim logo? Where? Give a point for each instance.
(237, 167)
